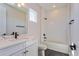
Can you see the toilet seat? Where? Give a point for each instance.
(42, 47)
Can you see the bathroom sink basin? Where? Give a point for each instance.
(1, 38)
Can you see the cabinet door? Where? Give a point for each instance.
(32, 50)
(2, 20)
(19, 53)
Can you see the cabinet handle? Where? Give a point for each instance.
(26, 51)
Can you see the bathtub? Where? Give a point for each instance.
(57, 46)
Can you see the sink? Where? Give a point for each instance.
(22, 37)
(1, 38)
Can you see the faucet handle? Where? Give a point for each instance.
(4, 34)
(12, 33)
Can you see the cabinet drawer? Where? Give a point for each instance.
(12, 49)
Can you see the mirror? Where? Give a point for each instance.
(13, 19)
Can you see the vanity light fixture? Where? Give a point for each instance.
(20, 4)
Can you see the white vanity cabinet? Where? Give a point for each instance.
(19, 53)
(12, 49)
(29, 50)
(25, 48)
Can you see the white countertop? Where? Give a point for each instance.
(6, 43)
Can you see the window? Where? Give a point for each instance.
(33, 15)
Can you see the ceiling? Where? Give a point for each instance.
(45, 6)
(22, 9)
(50, 5)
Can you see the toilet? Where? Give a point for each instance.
(42, 48)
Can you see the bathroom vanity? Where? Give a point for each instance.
(15, 19)
(19, 47)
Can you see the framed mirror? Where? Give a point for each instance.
(13, 19)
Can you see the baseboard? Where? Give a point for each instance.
(57, 47)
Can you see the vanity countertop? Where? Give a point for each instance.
(7, 42)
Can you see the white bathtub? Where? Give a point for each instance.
(57, 46)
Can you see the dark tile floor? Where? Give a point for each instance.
(49, 52)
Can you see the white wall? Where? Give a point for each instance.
(56, 28)
(2, 20)
(75, 26)
(43, 23)
(34, 28)
(14, 18)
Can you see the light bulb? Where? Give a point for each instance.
(19, 5)
(22, 4)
